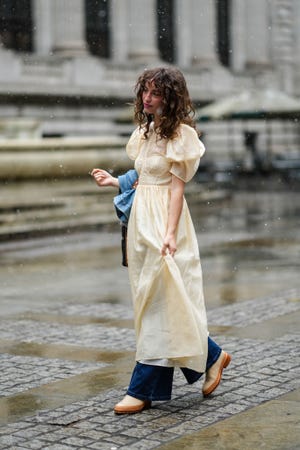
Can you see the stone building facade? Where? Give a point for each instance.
(71, 64)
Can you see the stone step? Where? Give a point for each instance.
(40, 208)
(37, 208)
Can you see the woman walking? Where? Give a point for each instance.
(163, 258)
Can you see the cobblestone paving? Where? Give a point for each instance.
(91, 335)
(19, 373)
(260, 371)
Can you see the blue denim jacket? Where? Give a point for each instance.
(123, 201)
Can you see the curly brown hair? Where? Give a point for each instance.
(177, 106)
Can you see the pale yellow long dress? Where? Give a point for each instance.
(170, 316)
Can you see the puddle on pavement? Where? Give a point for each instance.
(266, 330)
(70, 390)
(59, 351)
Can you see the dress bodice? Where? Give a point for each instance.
(151, 163)
(157, 159)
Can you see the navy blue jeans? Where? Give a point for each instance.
(155, 382)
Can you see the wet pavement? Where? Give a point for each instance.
(67, 339)
(64, 367)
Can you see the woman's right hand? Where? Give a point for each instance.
(104, 178)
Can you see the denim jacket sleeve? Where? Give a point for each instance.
(127, 180)
(123, 201)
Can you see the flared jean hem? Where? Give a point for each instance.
(154, 383)
(154, 398)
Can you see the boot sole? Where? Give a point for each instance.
(132, 409)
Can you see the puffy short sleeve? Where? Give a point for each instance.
(134, 143)
(185, 152)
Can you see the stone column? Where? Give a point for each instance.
(120, 30)
(134, 31)
(238, 35)
(43, 32)
(69, 27)
(10, 65)
(196, 33)
(258, 30)
(296, 51)
(283, 33)
(203, 25)
(251, 29)
(142, 26)
(183, 33)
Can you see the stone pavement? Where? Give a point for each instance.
(64, 368)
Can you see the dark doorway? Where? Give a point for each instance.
(165, 29)
(16, 25)
(98, 27)
(223, 31)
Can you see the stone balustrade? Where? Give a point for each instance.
(61, 157)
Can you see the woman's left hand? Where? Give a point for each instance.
(169, 245)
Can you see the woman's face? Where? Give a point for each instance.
(152, 99)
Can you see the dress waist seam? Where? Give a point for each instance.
(165, 186)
